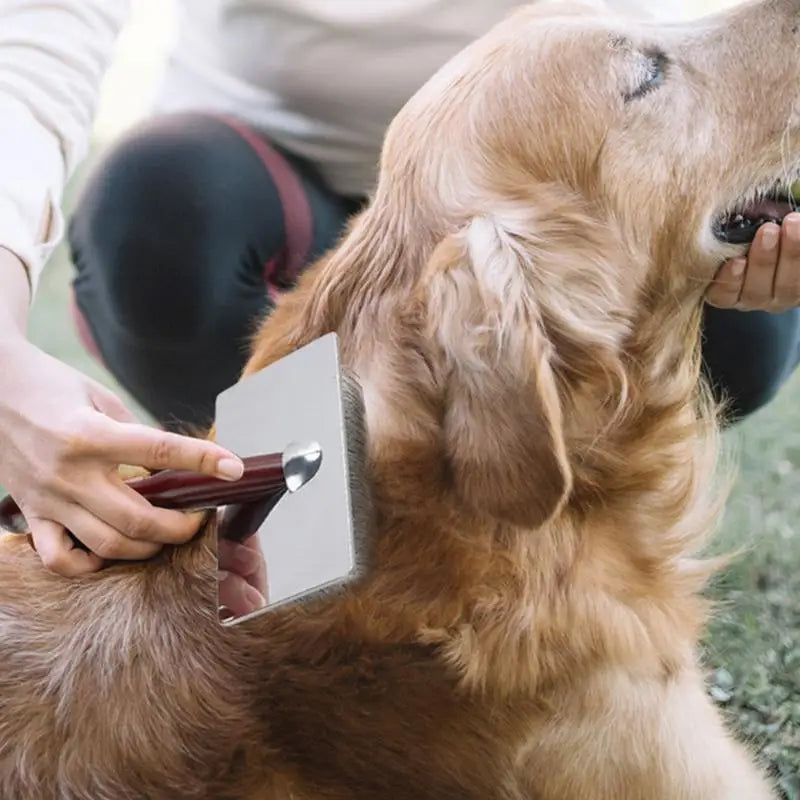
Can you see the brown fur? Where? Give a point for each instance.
(521, 302)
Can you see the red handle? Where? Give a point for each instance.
(263, 479)
(180, 489)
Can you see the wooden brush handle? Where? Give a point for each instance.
(179, 489)
(263, 478)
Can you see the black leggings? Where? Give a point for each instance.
(181, 239)
(192, 223)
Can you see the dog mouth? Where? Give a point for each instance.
(740, 224)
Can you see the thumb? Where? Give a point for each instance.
(106, 402)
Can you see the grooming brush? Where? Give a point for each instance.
(298, 425)
(266, 479)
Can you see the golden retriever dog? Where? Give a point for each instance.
(521, 302)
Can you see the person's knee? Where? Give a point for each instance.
(755, 385)
(142, 235)
(749, 357)
(749, 399)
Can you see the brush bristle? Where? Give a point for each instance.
(355, 429)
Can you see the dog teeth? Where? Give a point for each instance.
(737, 221)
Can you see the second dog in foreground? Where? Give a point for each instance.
(521, 303)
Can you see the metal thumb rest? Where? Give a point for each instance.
(266, 479)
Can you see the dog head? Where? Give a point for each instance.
(551, 208)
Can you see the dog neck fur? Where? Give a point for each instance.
(504, 429)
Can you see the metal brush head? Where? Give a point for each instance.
(314, 538)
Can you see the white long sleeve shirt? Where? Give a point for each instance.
(322, 77)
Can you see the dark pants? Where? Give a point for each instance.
(181, 239)
(749, 355)
(192, 223)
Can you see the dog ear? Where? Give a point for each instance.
(502, 422)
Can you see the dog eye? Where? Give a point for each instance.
(651, 74)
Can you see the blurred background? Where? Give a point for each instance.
(753, 647)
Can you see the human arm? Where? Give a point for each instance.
(62, 435)
(53, 56)
(62, 438)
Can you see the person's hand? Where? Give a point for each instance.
(62, 439)
(242, 577)
(769, 278)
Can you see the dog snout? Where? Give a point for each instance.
(779, 18)
(747, 60)
(791, 9)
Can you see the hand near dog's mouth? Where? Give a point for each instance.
(768, 278)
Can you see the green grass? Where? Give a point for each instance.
(753, 646)
(754, 640)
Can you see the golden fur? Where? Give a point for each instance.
(521, 301)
